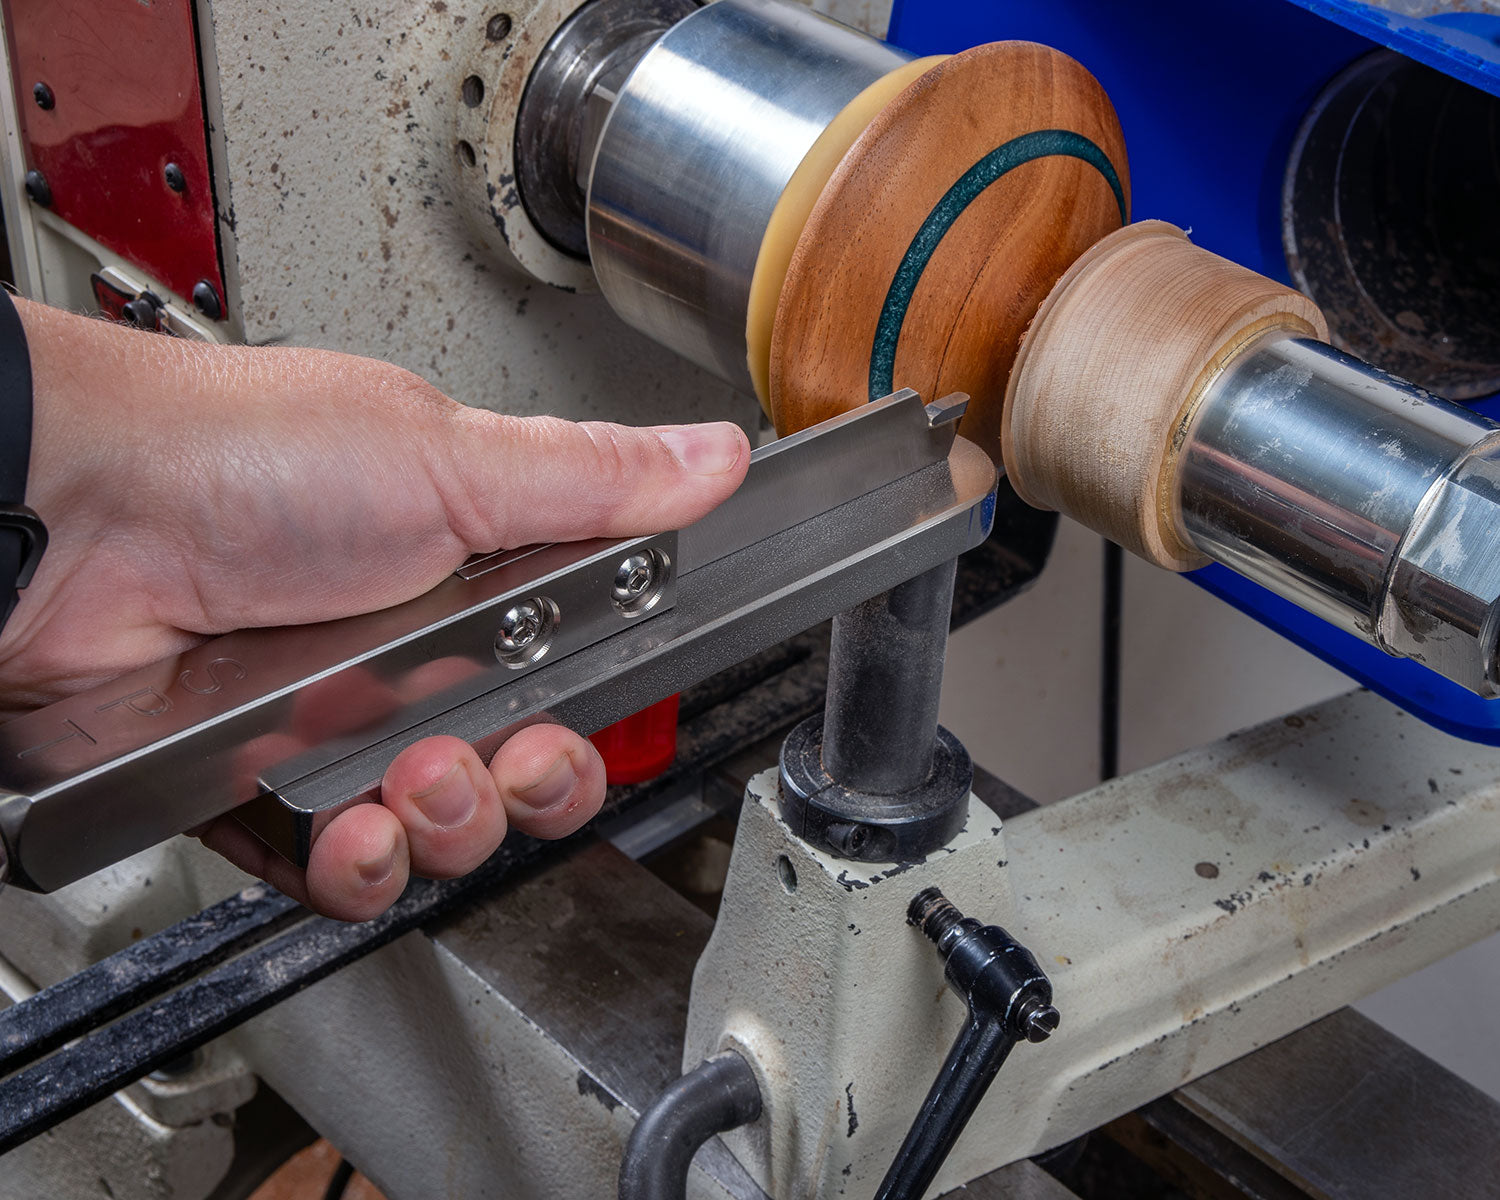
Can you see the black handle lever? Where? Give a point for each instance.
(1009, 999)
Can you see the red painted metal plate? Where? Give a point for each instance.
(126, 101)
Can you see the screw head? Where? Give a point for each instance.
(38, 188)
(206, 297)
(176, 180)
(1038, 1021)
(497, 28)
(848, 837)
(144, 311)
(634, 578)
(526, 632)
(519, 627)
(43, 96)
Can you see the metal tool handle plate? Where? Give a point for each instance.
(295, 723)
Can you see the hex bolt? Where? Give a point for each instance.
(38, 188)
(206, 297)
(43, 96)
(176, 180)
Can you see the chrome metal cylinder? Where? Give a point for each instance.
(566, 101)
(1356, 495)
(698, 147)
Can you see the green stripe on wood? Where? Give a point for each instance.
(1043, 143)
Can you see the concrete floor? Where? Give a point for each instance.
(1022, 691)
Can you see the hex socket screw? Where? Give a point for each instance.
(638, 582)
(635, 576)
(520, 626)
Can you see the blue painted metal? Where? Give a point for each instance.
(1210, 94)
(1465, 45)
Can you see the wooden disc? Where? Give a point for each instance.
(1111, 373)
(940, 233)
(789, 217)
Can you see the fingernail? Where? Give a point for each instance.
(378, 869)
(450, 801)
(555, 786)
(704, 449)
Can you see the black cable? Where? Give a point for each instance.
(41, 1095)
(338, 1182)
(1109, 673)
(140, 973)
(718, 1094)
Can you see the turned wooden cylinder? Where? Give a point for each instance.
(1110, 374)
(939, 232)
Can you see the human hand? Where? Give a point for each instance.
(191, 490)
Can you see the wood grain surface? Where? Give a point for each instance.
(1109, 376)
(789, 217)
(941, 231)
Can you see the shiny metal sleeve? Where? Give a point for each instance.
(1356, 495)
(700, 143)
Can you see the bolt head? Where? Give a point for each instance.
(43, 96)
(206, 298)
(38, 189)
(634, 578)
(1040, 1023)
(143, 312)
(174, 177)
(520, 626)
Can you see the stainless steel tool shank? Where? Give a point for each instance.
(289, 726)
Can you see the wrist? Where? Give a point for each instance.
(23, 537)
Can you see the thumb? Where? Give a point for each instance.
(542, 479)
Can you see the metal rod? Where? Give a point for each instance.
(971, 1066)
(1355, 495)
(885, 679)
(1110, 652)
(717, 1095)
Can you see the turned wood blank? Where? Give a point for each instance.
(1108, 378)
(941, 231)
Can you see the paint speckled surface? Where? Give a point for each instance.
(351, 221)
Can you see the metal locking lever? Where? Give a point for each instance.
(288, 726)
(1009, 1000)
